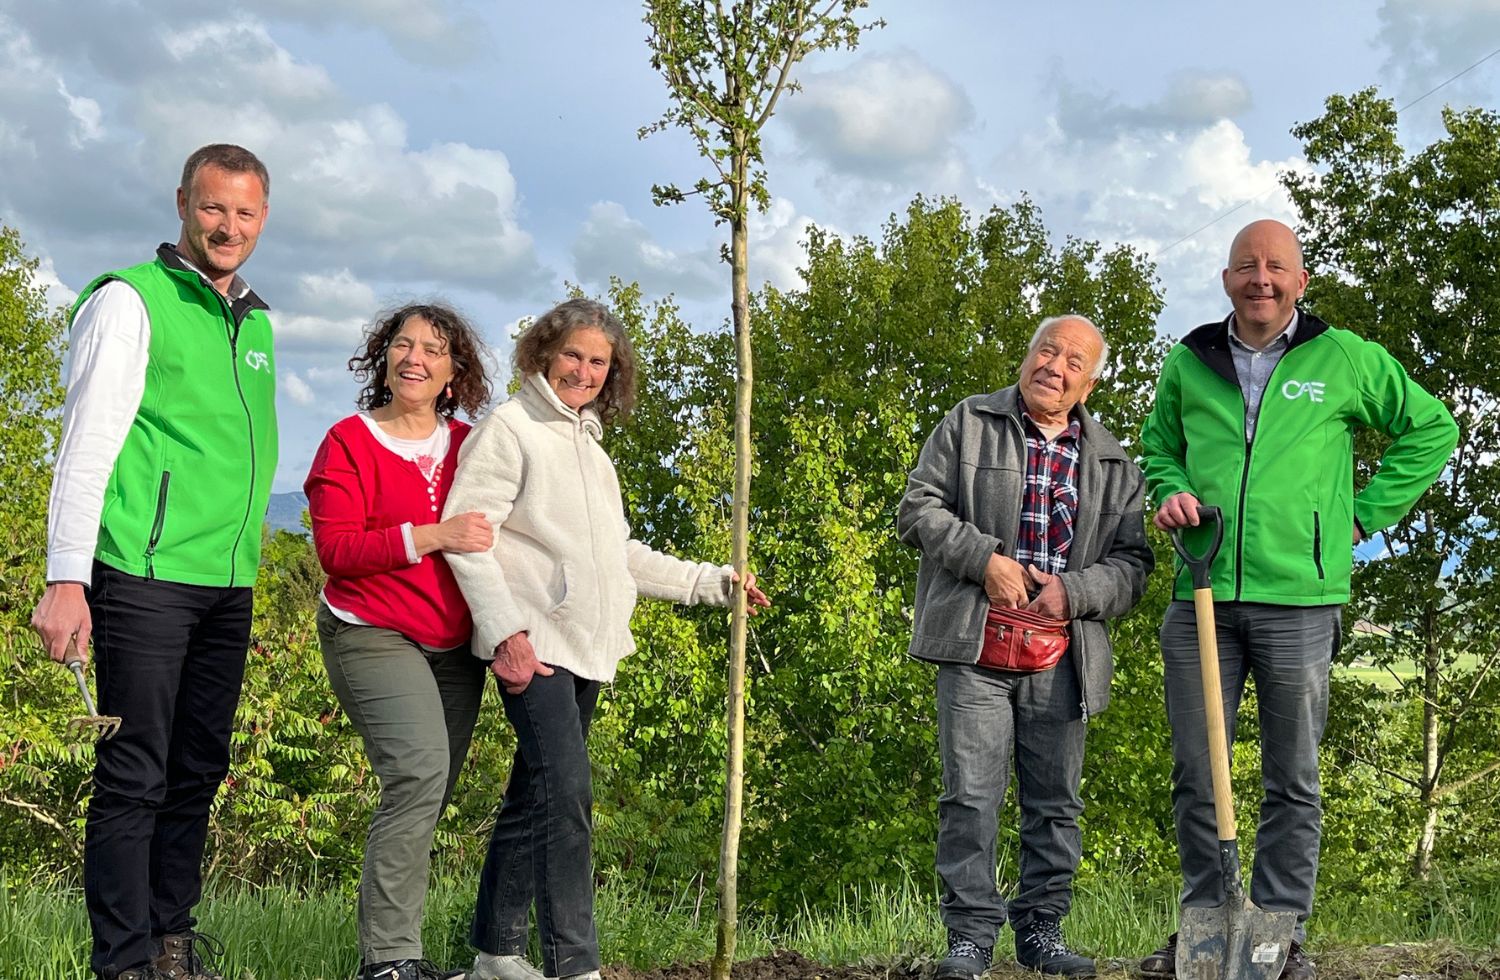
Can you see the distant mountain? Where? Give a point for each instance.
(285, 512)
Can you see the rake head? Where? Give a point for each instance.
(104, 726)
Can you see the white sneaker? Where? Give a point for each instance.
(488, 966)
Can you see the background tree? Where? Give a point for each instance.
(726, 64)
(42, 772)
(1403, 248)
(884, 339)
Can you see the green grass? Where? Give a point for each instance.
(1390, 678)
(281, 933)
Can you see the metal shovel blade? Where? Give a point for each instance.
(1234, 941)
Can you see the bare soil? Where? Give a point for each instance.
(1424, 961)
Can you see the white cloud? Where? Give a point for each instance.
(331, 293)
(778, 244)
(295, 388)
(431, 31)
(612, 243)
(1193, 99)
(1428, 41)
(1156, 189)
(86, 115)
(886, 116)
(300, 331)
(349, 189)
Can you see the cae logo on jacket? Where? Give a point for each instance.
(1294, 390)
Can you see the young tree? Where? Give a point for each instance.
(36, 788)
(1403, 249)
(726, 63)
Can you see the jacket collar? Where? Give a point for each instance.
(1210, 342)
(1007, 403)
(241, 299)
(536, 390)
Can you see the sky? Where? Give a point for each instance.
(487, 152)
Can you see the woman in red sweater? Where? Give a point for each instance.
(393, 625)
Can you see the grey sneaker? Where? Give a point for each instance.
(1040, 947)
(183, 956)
(488, 966)
(966, 959)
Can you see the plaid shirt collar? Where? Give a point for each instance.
(1049, 498)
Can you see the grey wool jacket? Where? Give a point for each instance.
(963, 503)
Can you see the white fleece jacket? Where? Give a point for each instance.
(563, 568)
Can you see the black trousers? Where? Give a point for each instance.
(169, 660)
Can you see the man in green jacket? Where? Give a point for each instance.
(1256, 414)
(153, 542)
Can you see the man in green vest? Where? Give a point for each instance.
(153, 542)
(1256, 414)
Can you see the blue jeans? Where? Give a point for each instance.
(541, 847)
(984, 718)
(1287, 649)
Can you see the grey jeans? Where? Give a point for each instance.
(984, 719)
(1287, 649)
(415, 711)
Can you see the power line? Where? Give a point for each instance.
(1251, 200)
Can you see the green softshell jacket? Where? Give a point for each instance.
(1288, 495)
(187, 495)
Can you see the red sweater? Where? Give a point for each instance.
(359, 493)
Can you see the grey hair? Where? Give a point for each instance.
(1053, 321)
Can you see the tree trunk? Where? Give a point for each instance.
(1431, 759)
(729, 851)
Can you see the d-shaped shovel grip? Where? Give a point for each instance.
(1200, 564)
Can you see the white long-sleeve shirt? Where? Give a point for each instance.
(109, 350)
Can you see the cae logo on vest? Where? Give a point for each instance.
(1294, 390)
(257, 360)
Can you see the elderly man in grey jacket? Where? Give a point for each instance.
(1021, 499)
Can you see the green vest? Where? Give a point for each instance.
(187, 495)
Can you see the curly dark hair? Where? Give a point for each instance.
(470, 384)
(546, 335)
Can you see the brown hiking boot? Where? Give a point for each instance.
(147, 972)
(1163, 962)
(182, 956)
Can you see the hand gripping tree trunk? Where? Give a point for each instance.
(725, 66)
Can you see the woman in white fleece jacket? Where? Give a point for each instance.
(551, 605)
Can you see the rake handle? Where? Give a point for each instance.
(73, 660)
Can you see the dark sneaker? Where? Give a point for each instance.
(147, 972)
(1163, 962)
(1040, 947)
(182, 956)
(1298, 966)
(966, 960)
(408, 970)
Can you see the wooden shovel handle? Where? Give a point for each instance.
(1213, 712)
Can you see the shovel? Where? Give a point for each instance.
(105, 726)
(1237, 940)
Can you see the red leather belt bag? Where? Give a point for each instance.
(1022, 642)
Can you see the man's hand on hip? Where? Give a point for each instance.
(1178, 510)
(62, 615)
(1005, 581)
